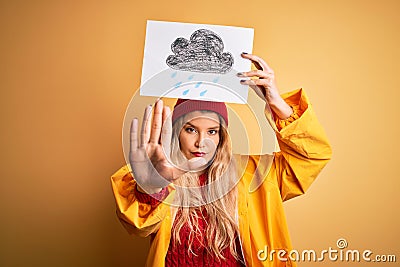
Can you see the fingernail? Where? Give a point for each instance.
(239, 74)
(242, 81)
(244, 53)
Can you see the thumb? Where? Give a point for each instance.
(195, 164)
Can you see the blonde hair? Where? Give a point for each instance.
(217, 197)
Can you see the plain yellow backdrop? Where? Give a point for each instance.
(69, 69)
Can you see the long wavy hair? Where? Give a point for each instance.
(217, 198)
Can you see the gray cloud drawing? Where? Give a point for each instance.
(202, 53)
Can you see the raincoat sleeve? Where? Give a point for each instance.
(305, 149)
(137, 216)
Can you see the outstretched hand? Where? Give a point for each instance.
(148, 156)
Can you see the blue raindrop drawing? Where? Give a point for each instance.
(190, 77)
(177, 85)
(173, 75)
(197, 85)
(185, 92)
(203, 93)
(216, 80)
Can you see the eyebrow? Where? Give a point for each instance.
(211, 128)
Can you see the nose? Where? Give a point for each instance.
(199, 142)
(204, 143)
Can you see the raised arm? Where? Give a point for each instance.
(305, 149)
(140, 187)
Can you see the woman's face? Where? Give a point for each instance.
(199, 136)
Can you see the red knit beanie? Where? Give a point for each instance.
(184, 106)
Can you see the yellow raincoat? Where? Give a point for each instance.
(305, 150)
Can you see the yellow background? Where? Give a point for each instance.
(69, 69)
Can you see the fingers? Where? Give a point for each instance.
(166, 114)
(152, 127)
(259, 82)
(157, 122)
(255, 73)
(146, 127)
(195, 164)
(166, 133)
(258, 62)
(134, 135)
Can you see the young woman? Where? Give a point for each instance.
(197, 201)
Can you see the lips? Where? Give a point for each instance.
(198, 154)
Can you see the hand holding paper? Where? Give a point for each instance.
(265, 86)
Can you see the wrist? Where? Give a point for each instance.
(281, 108)
(152, 199)
(148, 190)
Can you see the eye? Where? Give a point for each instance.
(212, 132)
(190, 130)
